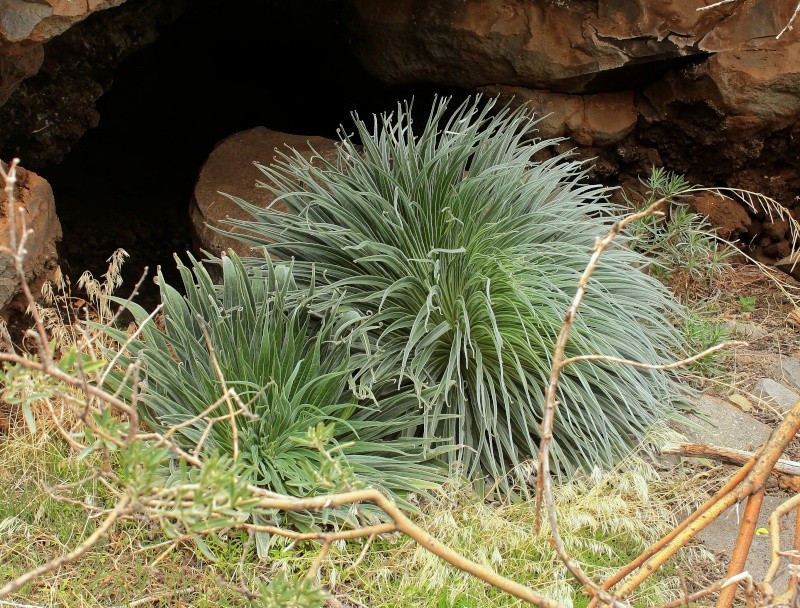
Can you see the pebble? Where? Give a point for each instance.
(744, 329)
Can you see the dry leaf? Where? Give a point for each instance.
(743, 402)
(794, 316)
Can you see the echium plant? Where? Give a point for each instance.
(289, 372)
(460, 253)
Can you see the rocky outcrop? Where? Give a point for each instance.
(573, 47)
(52, 76)
(26, 25)
(231, 170)
(35, 197)
(710, 94)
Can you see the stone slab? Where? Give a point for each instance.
(719, 537)
(718, 422)
(775, 393)
(787, 370)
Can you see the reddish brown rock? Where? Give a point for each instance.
(18, 62)
(35, 197)
(728, 216)
(561, 46)
(590, 120)
(23, 20)
(230, 169)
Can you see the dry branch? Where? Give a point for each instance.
(787, 471)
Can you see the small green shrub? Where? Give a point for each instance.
(702, 331)
(682, 245)
(460, 254)
(747, 303)
(289, 370)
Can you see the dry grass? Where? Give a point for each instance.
(607, 519)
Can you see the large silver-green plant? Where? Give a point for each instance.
(460, 252)
(285, 366)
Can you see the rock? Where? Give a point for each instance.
(18, 18)
(744, 329)
(26, 25)
(35, 196)
(768, 390)
(788, 370)
(18, 62)
(590, 120)
(560, 46)
(790, 265)
(49, 111)
(39, 21)
(230, 169)
(722, 110)
(720, 537)
(725, 214)
(717, 422)
(570, 47)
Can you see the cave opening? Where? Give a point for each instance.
(212, 72)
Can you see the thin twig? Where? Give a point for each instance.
(775, 535)
(725, 583)
(323, 552)
(715, 5)
(652, 366)
(544, 490)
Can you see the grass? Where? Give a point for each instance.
(34, 528)
(606, 517)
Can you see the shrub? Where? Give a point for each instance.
(461, 253)
(682, 245)
(285, 367)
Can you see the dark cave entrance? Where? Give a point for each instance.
(213, 72)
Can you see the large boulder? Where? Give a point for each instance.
(570, 47)
(35, 198)
(26, 25)
(231, 170)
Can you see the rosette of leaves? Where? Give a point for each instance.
(287, 368)
(461, 252)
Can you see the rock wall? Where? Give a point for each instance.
(57, 59)
(632, 83)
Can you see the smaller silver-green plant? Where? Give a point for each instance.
(241, 352)
(682, 245)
